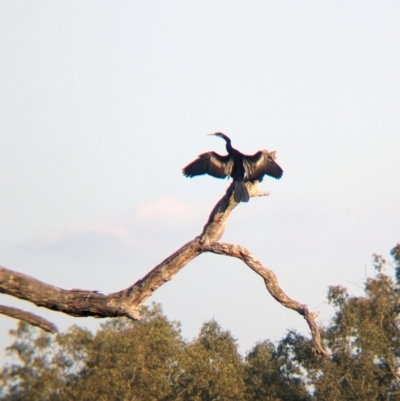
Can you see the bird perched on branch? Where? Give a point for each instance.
(236, 165)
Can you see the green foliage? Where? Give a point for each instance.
(364, 340)
(395, 252)
(125, 360)
(212, 367)
(132, 360)
(271, 375)
(43, 365)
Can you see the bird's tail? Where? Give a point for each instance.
(240, 193)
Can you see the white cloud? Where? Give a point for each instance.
(168, 210)
(133, 232)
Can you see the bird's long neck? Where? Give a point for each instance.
(229, 147)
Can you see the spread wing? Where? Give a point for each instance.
(261, 163)
(209, 163)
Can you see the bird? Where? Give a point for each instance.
(238, 166)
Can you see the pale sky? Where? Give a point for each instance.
(103, 102)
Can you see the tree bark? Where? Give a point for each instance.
(127, 302)
(28, 318)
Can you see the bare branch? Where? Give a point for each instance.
(273, 287)
(126, 302)
(30, 318)
(72, 302)
(123, 303)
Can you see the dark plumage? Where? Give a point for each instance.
(235, 165)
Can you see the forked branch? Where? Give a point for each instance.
(127, 302)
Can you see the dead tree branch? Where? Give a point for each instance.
(273, 288)
(27, 317)
(126, 302)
